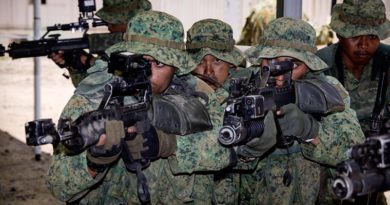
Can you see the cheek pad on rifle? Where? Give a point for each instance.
(178, 114)
(318, 97)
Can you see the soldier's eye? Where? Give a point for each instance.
(297, 63)
(373, 37)
(159, 64)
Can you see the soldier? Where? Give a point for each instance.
(116, 13)
(210, 43)
(289, 174)
(359, 61)
(92, 177)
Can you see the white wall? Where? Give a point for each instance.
(18, 14)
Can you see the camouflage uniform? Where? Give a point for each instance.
(363, 91)
(171, 180)
(350, 19)
(337, 131)
(214, 37)
(113, 12)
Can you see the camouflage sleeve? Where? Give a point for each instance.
(202, 151)
(338, 132)
(77, 76)
(68, 176)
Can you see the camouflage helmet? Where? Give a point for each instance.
(212, 37)
(121, 11)
(290, 38)
(159, 35)
(360, 17)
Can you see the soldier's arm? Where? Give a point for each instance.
(338, 132)
(68, 177)
(68, 174)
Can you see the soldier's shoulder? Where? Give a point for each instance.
(76, 106)
(336, 84)
(96, 79)
(327, 53)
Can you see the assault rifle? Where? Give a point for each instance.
(367, 170)
(134, 72)
(48, 44)
(250, 99)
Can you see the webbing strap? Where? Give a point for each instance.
(228, 46)
(155, 41)
(361, 21)
(288, 44)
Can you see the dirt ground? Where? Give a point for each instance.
(21, 177)
(21, 181)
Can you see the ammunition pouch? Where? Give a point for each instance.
(318, 97)
(179, 114)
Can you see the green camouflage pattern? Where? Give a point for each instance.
(366, 15)
(76, 76)
(338, 131)
(265, 185)
(171, 181)
(190, 158)
(121, 11)
(214, 37)
(99, 42)
(157, 25)
(362, 92)
(285, 30)
(226, 187)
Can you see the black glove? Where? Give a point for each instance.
(73, 61)
(294, 122)
(257, 146)
(150, 145)
(99, 157)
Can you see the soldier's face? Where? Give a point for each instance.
(161, 75)
(300, 69)
(114, 28)
(358, 50)
(214, 69)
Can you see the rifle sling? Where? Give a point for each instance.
(382, 88)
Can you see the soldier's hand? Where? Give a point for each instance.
(58, 58)
(109, 146)
(150, 145)
(294, 122)
(257, 146)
